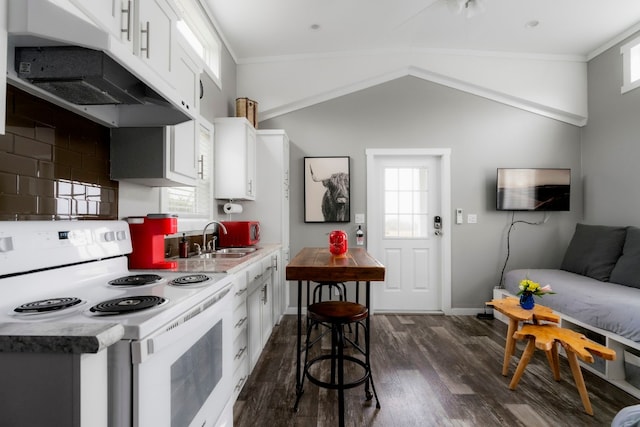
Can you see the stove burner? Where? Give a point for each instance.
(127, 304)
(135, 280)
(189, 280)
(47, 305)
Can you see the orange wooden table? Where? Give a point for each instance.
(510, 307)
(319, 265)
(576, 345)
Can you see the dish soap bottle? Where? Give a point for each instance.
(359, 236)
(183, 247)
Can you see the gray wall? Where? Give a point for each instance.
(611, 145)
(482, 134)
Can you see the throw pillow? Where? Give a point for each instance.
(594, 250)
(627, 269)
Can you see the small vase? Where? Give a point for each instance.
(526, 301)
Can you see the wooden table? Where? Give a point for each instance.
(319, 265)
(546, 337)
(510, 307)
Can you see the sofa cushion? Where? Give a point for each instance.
(594, 250)
(627, 269)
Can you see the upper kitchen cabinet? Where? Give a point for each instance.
(235, 159)
(146, 27)
(114, 16)
(156, 157)
(139, 41)
(187, 67)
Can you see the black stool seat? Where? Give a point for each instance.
(336, 315)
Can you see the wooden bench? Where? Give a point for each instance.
(545, 337)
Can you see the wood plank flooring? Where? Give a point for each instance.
(429, 370)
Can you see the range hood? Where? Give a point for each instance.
(81, 76)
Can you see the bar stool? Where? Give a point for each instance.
(336, 315)
(319, 287)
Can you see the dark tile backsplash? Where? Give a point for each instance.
(54, 164)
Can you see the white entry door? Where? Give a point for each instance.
(407, 227)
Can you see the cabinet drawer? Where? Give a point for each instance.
(239, 350)
(239, 320)
(240, 377)
(255, 272)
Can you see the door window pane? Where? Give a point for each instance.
(405, 202)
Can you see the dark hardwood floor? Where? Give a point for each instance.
(429, 370)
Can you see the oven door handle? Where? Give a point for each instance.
(200, 320)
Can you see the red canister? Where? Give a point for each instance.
(338, 242)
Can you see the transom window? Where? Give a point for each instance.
(630, 65)
(198, 30)
(405, 202)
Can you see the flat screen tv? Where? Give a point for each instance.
(533, 189)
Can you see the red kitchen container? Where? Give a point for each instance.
(338, 242)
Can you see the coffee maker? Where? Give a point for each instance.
(147, 239)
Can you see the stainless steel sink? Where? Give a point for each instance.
(214, 255)
(235, 250)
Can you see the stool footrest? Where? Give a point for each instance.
(334, 385)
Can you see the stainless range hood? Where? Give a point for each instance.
(81, 76)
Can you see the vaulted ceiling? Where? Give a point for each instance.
(574, 28)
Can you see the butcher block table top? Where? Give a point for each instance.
(319, 265)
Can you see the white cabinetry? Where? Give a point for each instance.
(271, 206)
(114, 16)
(146, 27)
(157, 157)
(240, 345)
(259, 307)
(155, 29)
(186, 70)
(235, 159)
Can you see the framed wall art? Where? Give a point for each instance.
(326, 189)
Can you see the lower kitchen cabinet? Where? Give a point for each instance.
(240, 344)
(259, 308)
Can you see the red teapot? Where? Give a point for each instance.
(338, 242)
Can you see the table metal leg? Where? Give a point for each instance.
(299, 390)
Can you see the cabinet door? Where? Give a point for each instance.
(115, 16)
(267, 310)
(155, 35)
(254, 328)
(251, 163)
(235, 158)
(186, 76)
(183, 158)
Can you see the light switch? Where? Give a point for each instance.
(360, 218)
(472, 218)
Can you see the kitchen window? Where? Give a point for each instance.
(630, 65)
(194, 202)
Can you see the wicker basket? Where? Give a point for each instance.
(247, 108)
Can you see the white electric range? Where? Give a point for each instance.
(172, 367)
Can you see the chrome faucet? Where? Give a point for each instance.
(204, 234)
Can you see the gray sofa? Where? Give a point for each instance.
(598, 282)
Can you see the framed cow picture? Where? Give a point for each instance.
(326, 189)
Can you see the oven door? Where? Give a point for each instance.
(182, 376)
